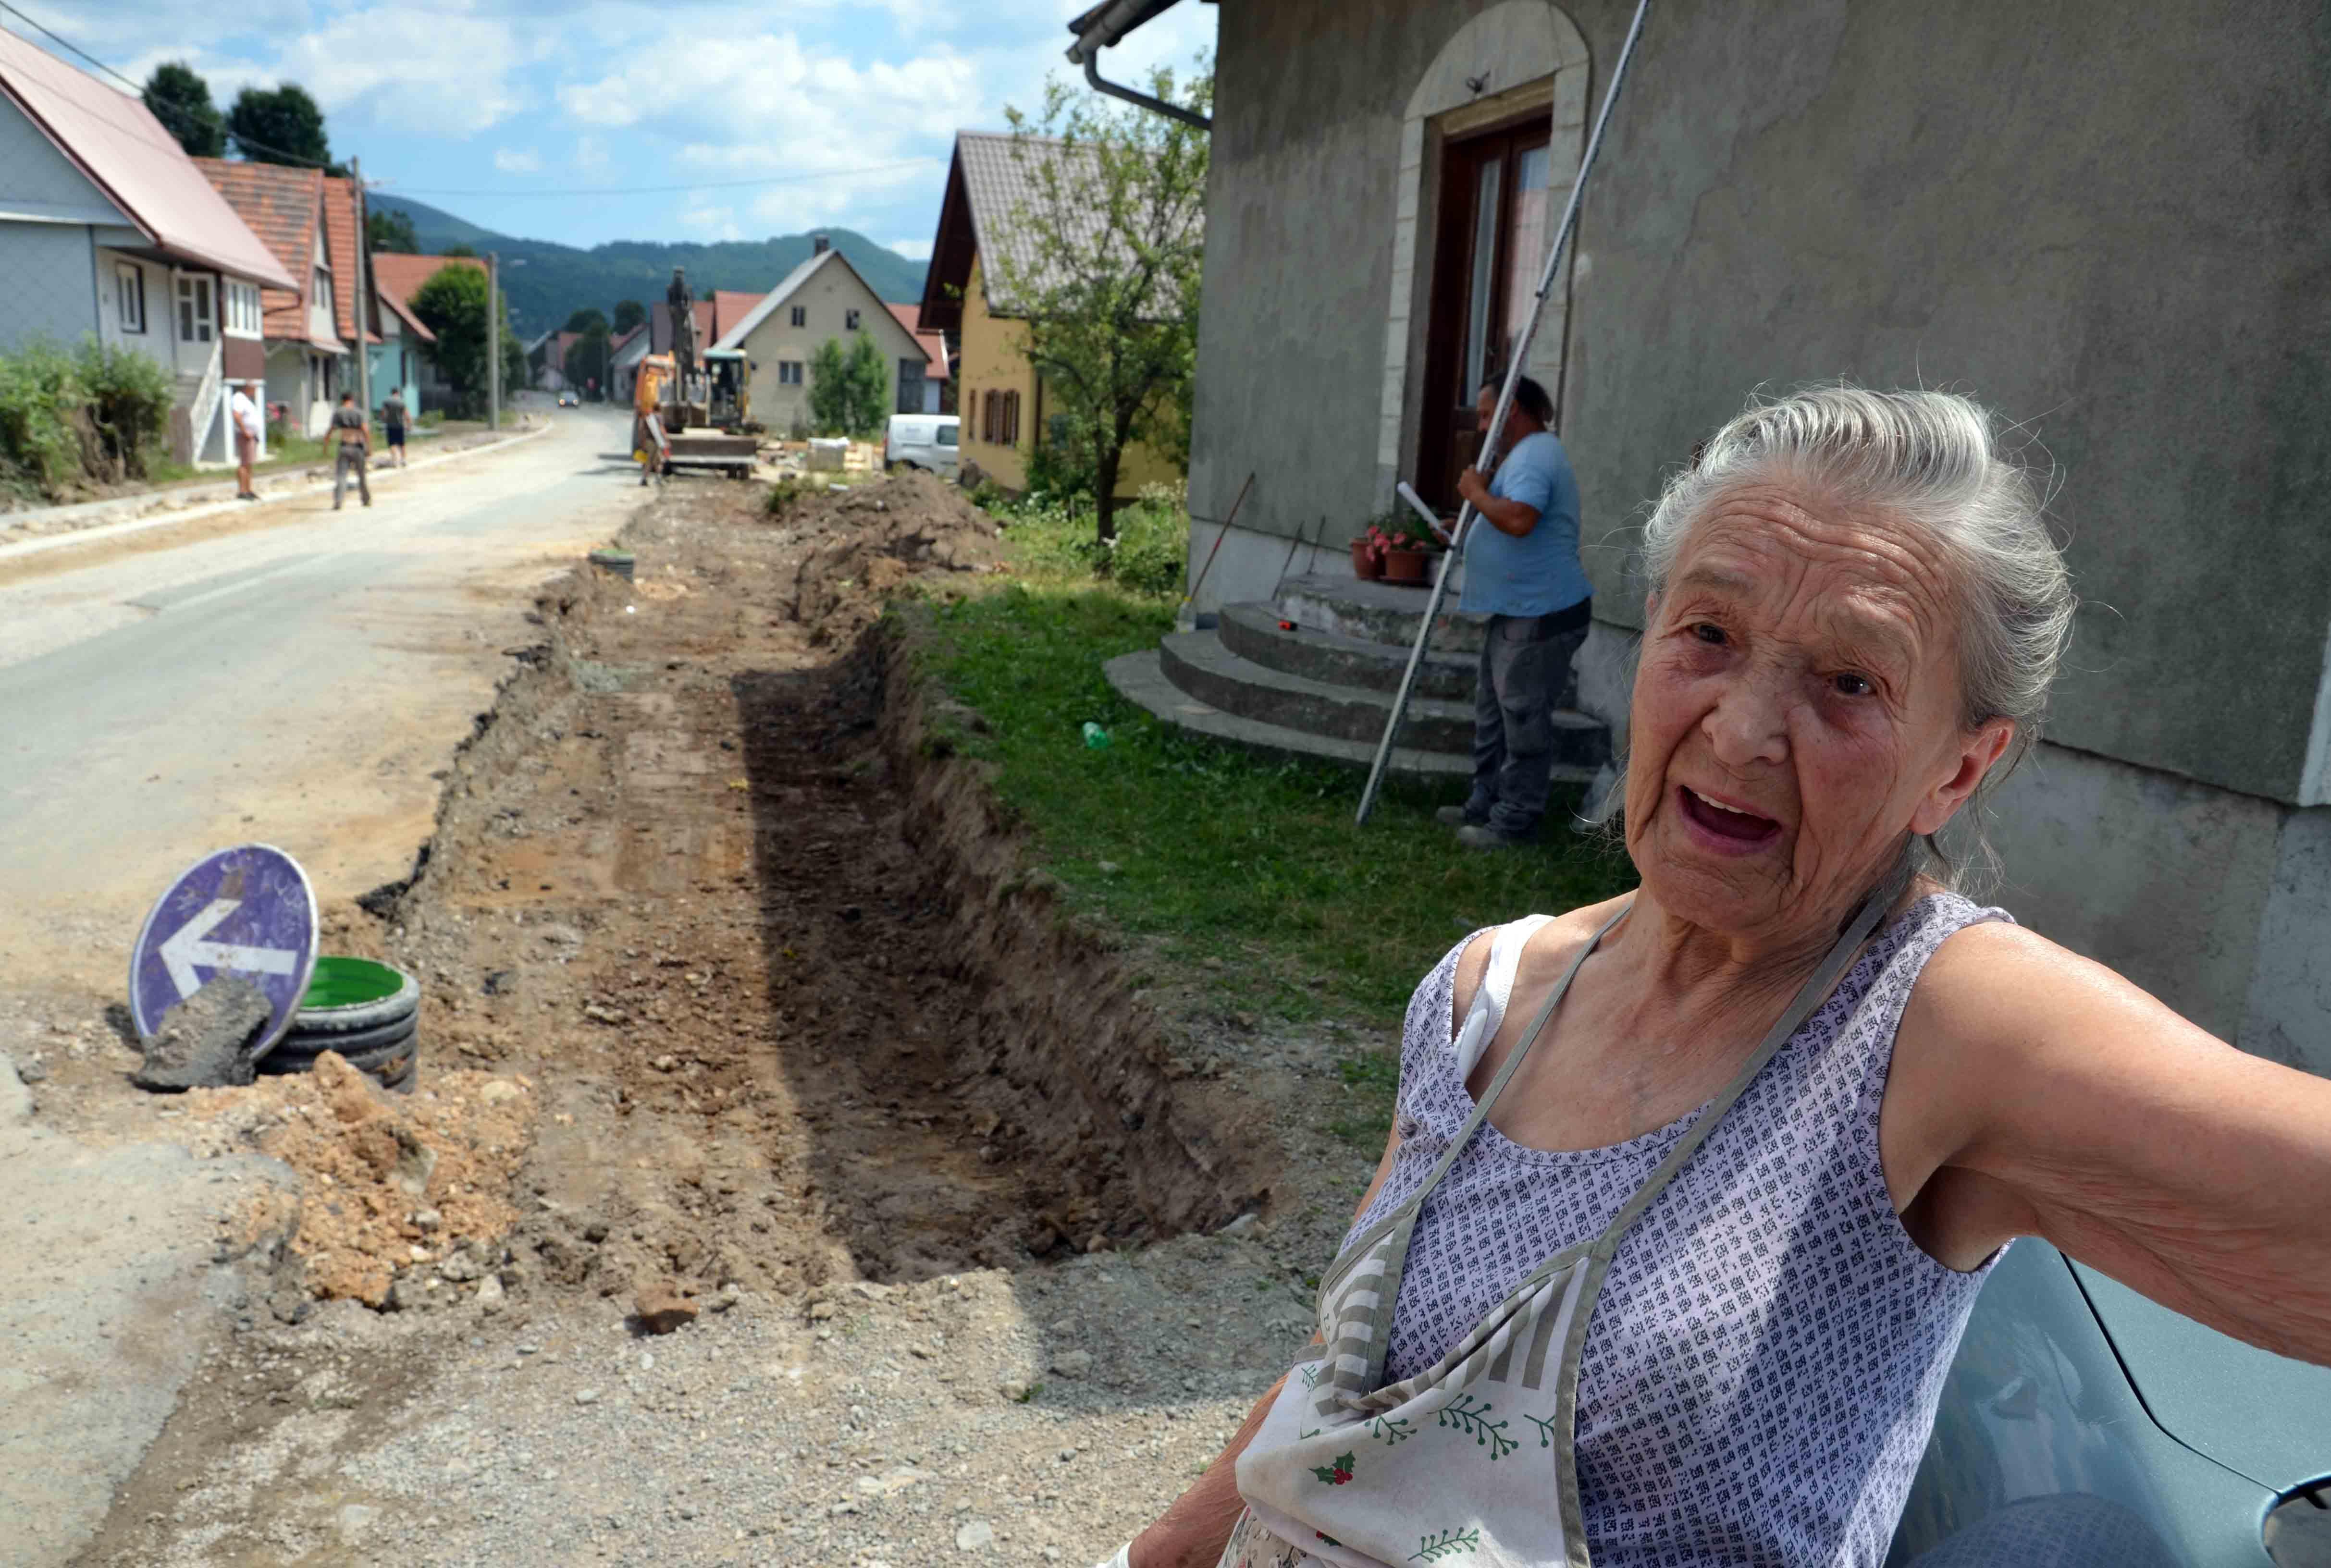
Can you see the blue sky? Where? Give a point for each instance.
(496, 110)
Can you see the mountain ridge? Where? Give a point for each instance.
(547, 281)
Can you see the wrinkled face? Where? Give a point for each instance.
(1796, 713)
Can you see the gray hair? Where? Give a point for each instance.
(1935, 460)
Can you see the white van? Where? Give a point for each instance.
(924, 440)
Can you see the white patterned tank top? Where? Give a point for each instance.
(1762, 1369)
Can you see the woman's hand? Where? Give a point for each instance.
(2034, 1092)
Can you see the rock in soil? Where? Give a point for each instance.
(660, 1308)
(203, 1041)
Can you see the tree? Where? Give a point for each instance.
(391, 229)
(829, 389)
(589, 357)
(867, 379)
(629, 313)
(453, 305)
(849, 388)
(278, 125)
(590, 318)
(461, 250)
(181, 100)
(1100, 265)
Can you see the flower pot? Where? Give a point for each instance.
(1366, 564)
(1405, 566)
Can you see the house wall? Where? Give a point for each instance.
(2110, 232)
(995, 358)
(49, 216)
(827, 295)
(156, 341)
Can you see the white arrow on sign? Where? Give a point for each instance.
(185, 948)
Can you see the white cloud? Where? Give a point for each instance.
(914, 249)
(698, 213)
(518, 161)
(591, 154)
(406, 70)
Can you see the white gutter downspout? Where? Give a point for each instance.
(1114, 22)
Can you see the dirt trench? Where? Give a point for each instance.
(797, 1009)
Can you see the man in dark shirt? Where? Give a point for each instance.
(392, 419)
(351, 436)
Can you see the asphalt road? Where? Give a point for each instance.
(289, 674)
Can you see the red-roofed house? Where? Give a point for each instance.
(396, 278)
(108, 231)
(926, 392)
(627, 350)
(308, 360)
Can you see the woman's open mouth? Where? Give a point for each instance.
(1725, 828)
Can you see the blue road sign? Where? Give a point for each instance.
(246, 911)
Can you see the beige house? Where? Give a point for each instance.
(824, 297)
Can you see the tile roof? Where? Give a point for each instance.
(729, 307)
(402, 275)
(280, 205)
(413, 324)
(118, 144)
(1002, 177)
(934, 345)
(340, 240)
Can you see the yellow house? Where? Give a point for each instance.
(999, 396)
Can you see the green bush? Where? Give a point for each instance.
(93, 416)
(1146, 558)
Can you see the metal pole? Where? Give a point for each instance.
(364, 291)
(493, 342)
(1497, 419)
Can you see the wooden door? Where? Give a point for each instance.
(1488, 247)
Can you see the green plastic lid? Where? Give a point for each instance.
(344, 982)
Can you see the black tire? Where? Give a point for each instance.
(360, 1016)
(351, 1043)
(385, 1062)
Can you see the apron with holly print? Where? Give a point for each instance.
(1468, 1463)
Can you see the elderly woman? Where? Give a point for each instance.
(1690, 1194)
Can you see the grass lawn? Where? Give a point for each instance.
(1247, 868)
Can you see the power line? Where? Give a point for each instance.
(300, 161)
(247, 145)
(655, 190)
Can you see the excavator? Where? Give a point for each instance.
(692, 401)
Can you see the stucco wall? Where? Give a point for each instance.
(2111, 231)
(48, 287)
(827, 297)
(993, 357)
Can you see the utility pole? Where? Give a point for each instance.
(493, 342)
(364, 290)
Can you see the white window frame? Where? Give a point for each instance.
(789, 373)
(130, 297)
(242, 310)
(194, 289)
(320, 296)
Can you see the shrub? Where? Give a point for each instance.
(93, 416)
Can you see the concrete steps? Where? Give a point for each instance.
(1314, 676)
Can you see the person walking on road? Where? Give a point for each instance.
(244, 411)
(1523, 572)
(392, 419)
(352, 450)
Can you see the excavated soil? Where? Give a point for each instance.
(798, 1033)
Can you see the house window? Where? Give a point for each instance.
(194, 309)
(801, 315)
(910, 385)
(849, 320)
(789, 373)
(320, 296)
(1000, 419)
(242, 310)
(130, 296)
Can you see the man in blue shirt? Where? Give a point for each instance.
(1522, 571)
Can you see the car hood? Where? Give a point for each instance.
(2261, 1415)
